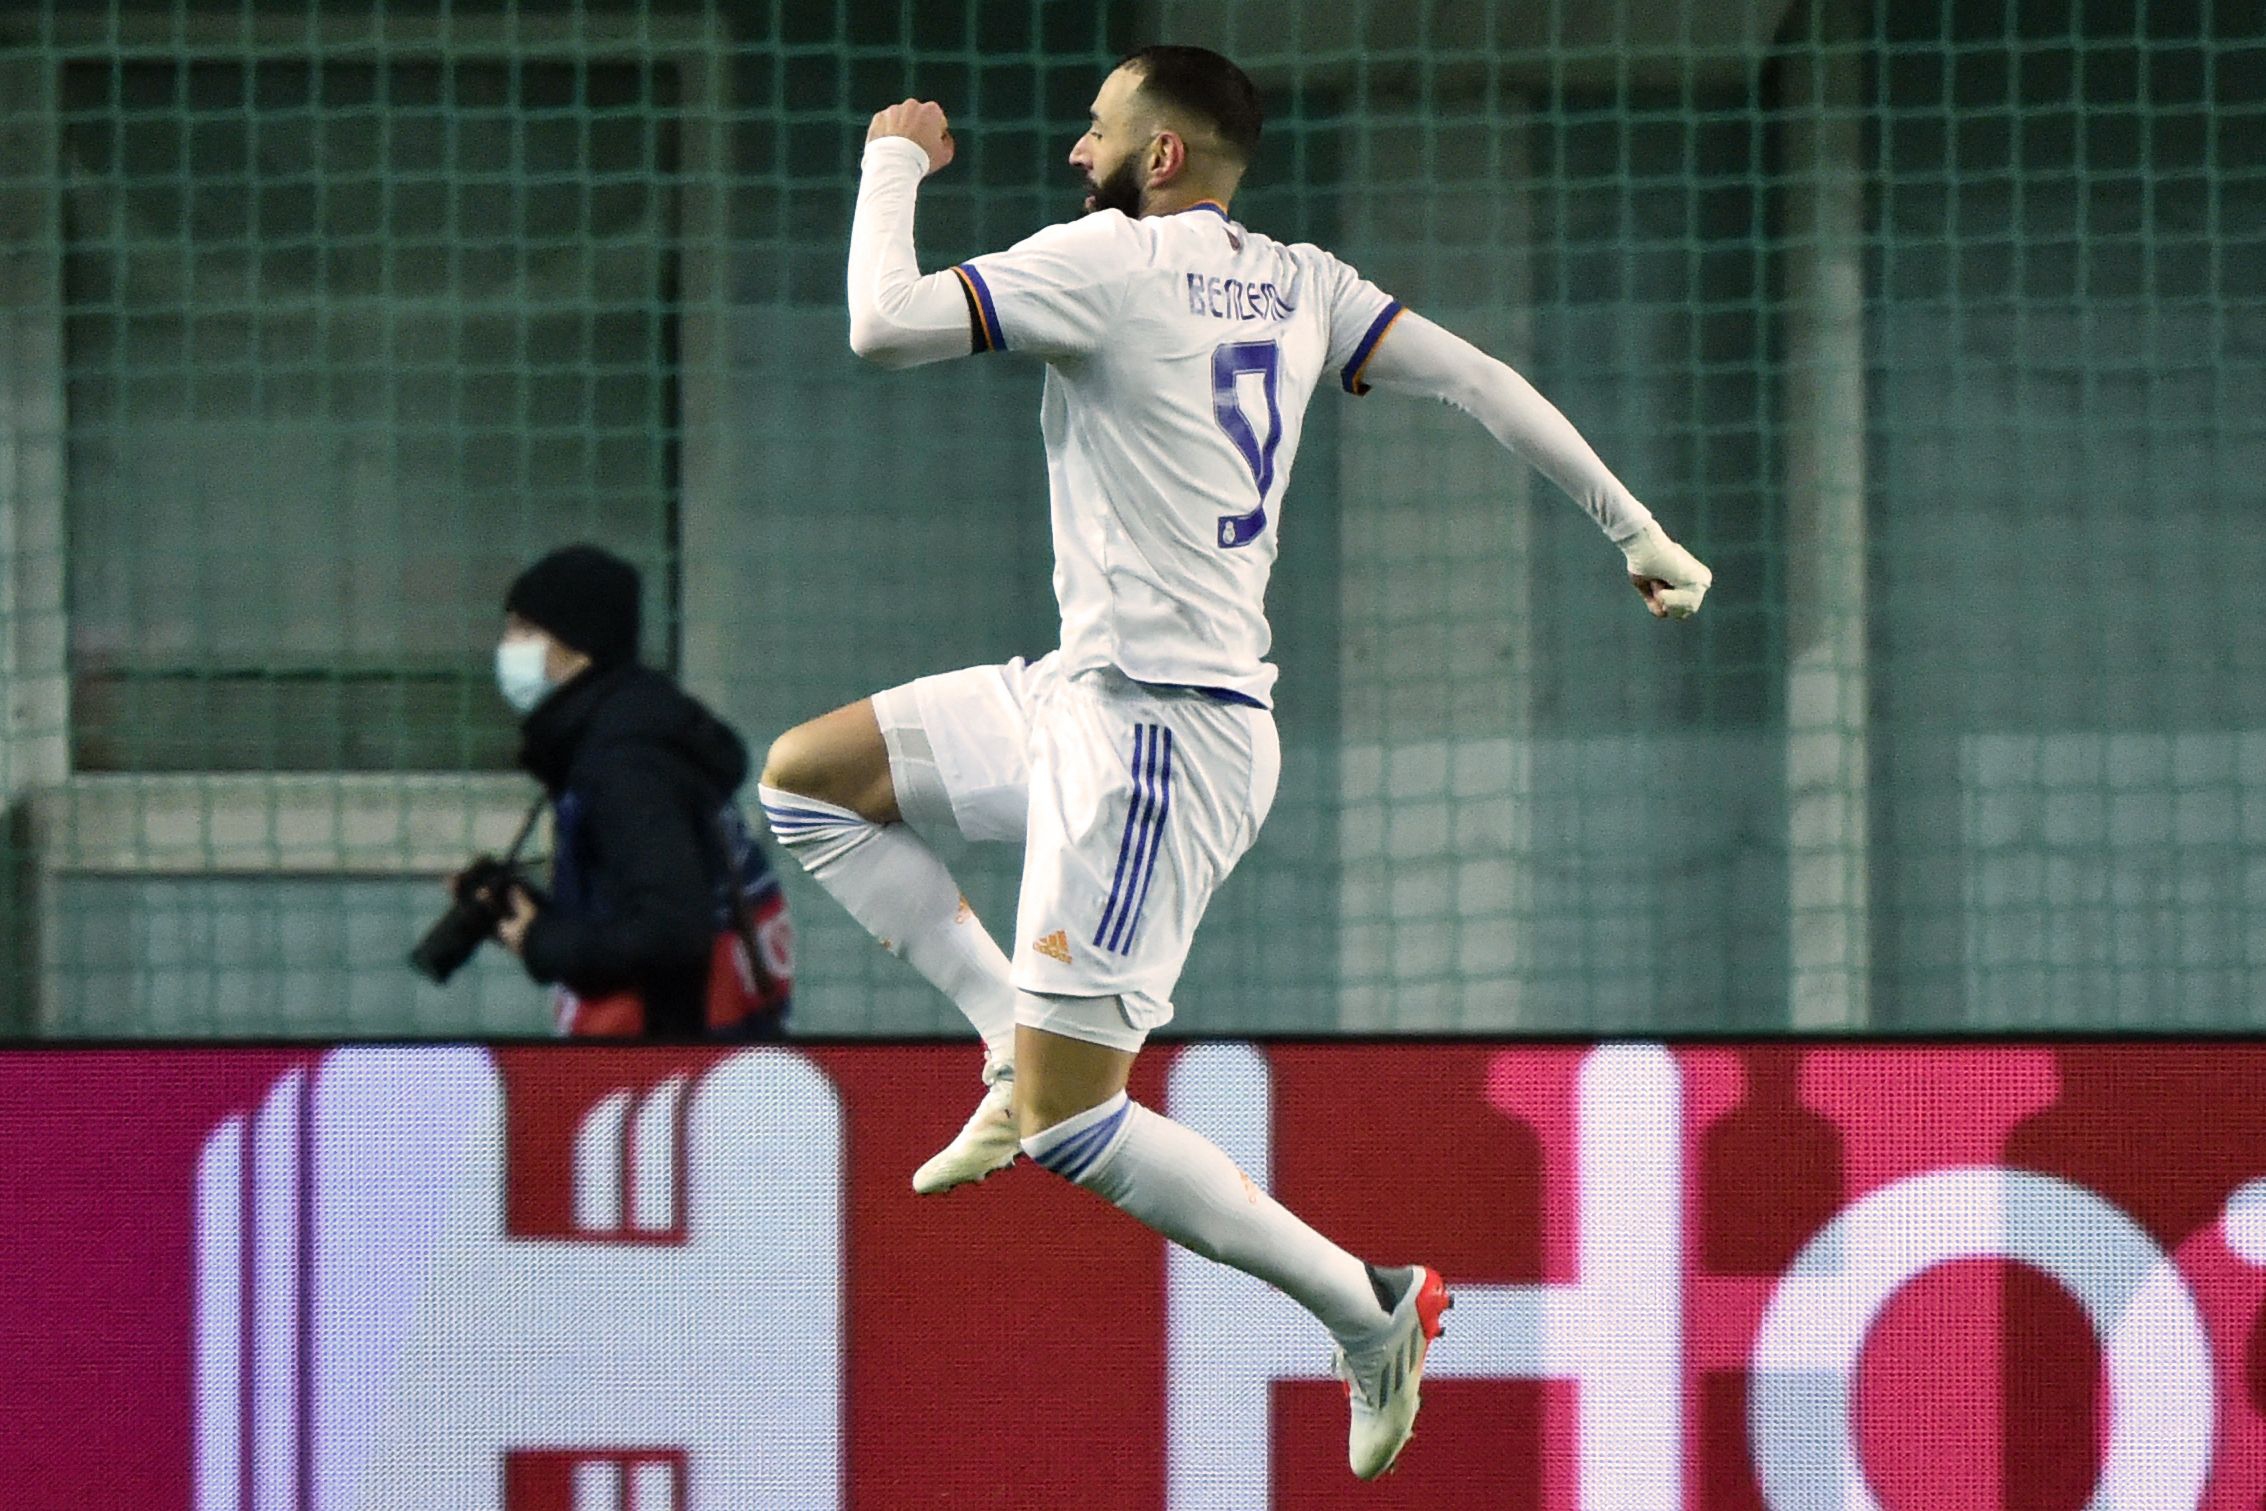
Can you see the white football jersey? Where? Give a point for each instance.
(1181, 351)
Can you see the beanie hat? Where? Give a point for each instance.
(586, 598)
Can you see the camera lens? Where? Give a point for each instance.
(451, 941)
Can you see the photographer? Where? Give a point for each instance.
(641, 931)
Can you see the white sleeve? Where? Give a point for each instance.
(1423, 358)
(1360, 314)
(1055, 293)
(897, 317)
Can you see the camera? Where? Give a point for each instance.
(482, 894)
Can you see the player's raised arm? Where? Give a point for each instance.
(1416, 356)
(897, 317)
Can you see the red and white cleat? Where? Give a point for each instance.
(1382, 1379)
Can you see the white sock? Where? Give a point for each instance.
(1184, 1186)
(892, 883)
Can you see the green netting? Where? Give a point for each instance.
(1936, 329)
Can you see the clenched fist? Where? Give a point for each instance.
(1672, 580)
(919, 121)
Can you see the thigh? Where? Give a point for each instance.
(956, 743)
(1139, 808)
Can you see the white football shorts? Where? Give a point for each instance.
(1132, 803)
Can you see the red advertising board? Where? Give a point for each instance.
(1977, 1277)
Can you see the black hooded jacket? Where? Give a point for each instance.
(637, 770)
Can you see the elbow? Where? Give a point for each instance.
(867, 337)
(877, 341)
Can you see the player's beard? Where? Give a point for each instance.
(1119, 190)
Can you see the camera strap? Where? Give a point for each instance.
(526, 827)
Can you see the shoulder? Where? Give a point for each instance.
(1320, 260)
(630, 734)
(661, 738)
(1104, 240)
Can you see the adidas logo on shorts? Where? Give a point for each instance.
(1055, 946)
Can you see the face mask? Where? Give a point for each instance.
(519, 673)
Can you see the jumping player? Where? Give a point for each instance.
(1136, 762)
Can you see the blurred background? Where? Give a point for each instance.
(1938, 330)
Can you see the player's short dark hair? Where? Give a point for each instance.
(1203, 84)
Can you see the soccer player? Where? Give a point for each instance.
(1136, 762)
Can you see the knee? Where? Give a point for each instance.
(839, 758)
(796, 763)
